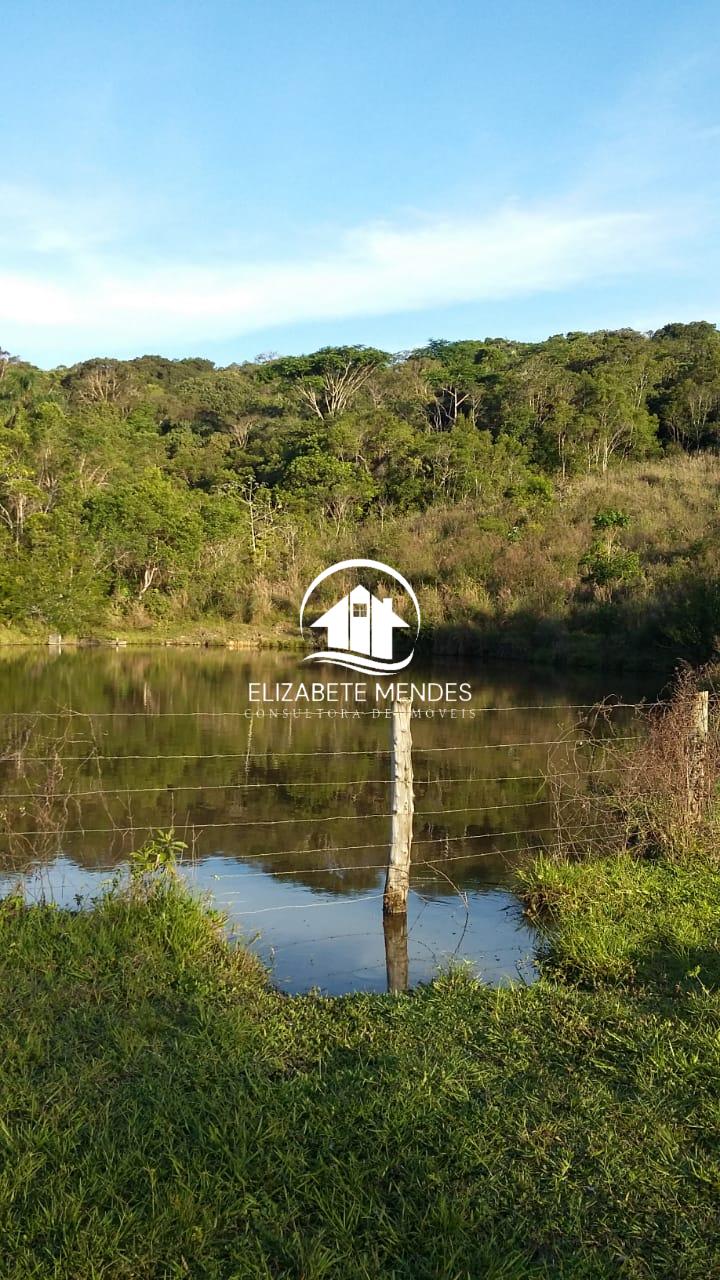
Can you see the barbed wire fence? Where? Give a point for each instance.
(47, 780)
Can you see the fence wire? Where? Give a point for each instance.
(431, 853)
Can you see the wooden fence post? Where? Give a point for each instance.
(396, 952)
(401, 806)
(697, 752)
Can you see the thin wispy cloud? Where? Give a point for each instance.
(98, 298)
(35, 221)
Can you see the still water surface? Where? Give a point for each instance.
(286, 819)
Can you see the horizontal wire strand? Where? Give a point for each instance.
(428, 862)
(92, 758)
(382, 866)
(306, 906)
(354, 848)
(200, 827)
(321, 707)
(301, 782)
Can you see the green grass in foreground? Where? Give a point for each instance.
(165, 1114)
(654, 925)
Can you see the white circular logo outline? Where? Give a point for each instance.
(351, 660)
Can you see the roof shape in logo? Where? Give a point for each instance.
(361, 623)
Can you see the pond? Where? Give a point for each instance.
(284, 808)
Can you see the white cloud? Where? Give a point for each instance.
(38, 222)
(87, 291)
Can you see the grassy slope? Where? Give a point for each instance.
(164, 1114)
(525, 598)
(652, 925)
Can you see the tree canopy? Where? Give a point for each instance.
(172, 485)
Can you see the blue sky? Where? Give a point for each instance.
(236, 177)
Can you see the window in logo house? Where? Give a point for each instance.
(359, 610)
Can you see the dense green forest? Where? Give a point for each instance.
(544, 498)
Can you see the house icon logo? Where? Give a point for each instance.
(360, 627)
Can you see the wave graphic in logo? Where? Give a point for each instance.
(360, 626)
